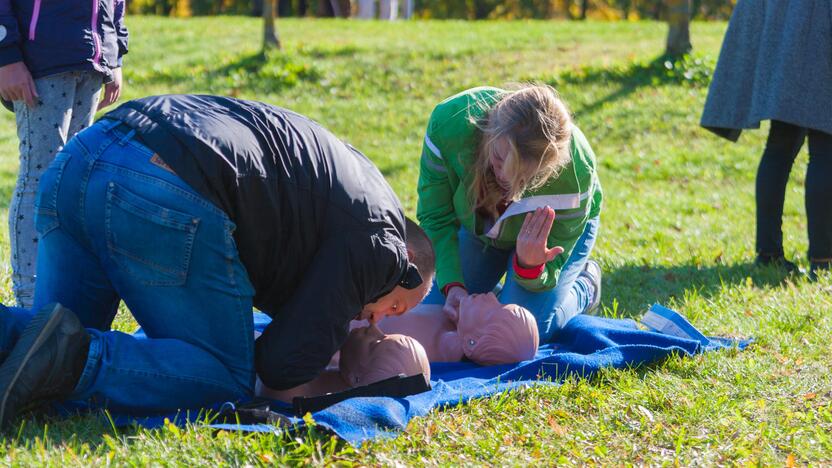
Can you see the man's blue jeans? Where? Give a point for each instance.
(113, 225)
(483, 266)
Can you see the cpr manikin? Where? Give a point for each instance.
(368, 356)
(483, 330)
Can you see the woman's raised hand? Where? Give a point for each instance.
(531, 247)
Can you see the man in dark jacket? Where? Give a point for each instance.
(54, 57)
(192, 209)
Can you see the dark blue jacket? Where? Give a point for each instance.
(54, 36)
(318, 229)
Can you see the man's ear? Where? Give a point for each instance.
(411, 254)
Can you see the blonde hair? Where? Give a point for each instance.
(537, 127)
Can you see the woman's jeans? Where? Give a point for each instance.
(116, 224)
(783, 145)
(483, 266)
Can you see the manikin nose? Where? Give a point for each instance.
(374, 331)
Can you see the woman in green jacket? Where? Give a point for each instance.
(508, 186)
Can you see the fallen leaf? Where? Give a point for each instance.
(556, 428)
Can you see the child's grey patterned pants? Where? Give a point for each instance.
(66, 106)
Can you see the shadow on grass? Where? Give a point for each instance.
(636, 287)
(252, 72)
(89, 436)
(690, 71)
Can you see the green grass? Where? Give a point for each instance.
(678, 228)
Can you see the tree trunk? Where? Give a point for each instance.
(697, 5)
(584, 8)
(324, 9)
(678, 35)
(334, 9)
(625, 9)
(481, 9)
(270, 39)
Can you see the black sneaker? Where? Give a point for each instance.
(592, 271)
(777, 261)
(45, 364)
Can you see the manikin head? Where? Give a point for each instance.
(403, 297)
(494, 333)
(370, 356)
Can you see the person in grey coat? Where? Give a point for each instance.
(776, 64)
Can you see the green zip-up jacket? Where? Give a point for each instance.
(446, 171)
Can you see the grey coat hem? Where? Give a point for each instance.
(775, 64)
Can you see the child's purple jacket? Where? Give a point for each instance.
(54, 36)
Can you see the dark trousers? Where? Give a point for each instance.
(784, 142)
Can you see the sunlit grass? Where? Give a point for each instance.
(677, 228)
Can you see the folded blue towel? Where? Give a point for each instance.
(586, 345)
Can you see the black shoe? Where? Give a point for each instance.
(45, 364)
(777, 261)
(816, 267)
(592, 271)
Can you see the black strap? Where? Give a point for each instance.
(395, 387)
(258, 411)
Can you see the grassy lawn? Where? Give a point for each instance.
(678, 228)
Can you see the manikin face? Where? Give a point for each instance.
(476, 313)
(477, 310)
(359, 347)
(369, 356)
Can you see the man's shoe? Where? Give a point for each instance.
(592, 271)
(46, 363)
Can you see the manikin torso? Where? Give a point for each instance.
(448, 336)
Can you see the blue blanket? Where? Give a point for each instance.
(586, 345)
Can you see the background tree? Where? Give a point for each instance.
(678, 34)
(584, 9)
(270, 39)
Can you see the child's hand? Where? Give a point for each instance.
(16, 84)
(112, 90)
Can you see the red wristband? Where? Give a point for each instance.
(451, 285)
(528, 273)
